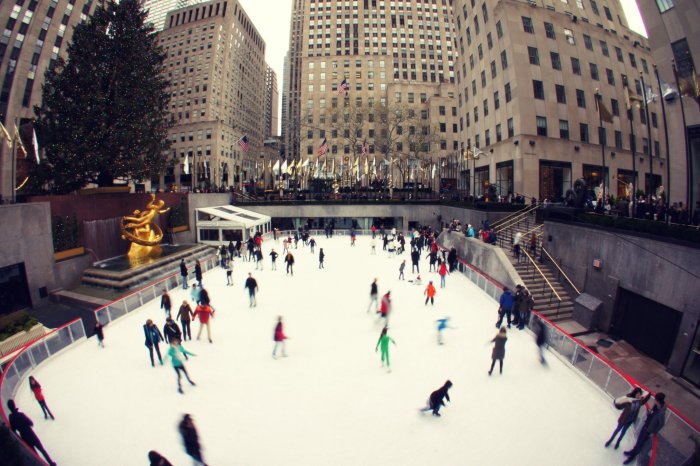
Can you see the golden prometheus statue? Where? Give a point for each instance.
(145, 235)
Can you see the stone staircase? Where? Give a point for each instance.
(546, 302)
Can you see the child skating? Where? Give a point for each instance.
(175, 353)
(383, 342)
(437, 399)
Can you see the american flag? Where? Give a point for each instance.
(343, 87)
(243, 142)
(364, 148)
(324, 147)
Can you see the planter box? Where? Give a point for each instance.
(68, 253)
(20, 339)
(178, 229)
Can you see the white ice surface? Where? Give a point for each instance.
(330, 402)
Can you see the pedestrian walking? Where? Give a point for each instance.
(229, 273)
(437, 399)
(165, 303)
(383, 342)
(373, 296)
(401, 269)
(153, 339)
(321, 256)
(499, 349)
(35, 387)
(252, 286)
(430, 294)
(175, 353)
(516, 245)
(204, 313)
(198, 272)
(273, 256)
(505, 307)
(183, 274)
(171, 331)
(533, 243)
(190, 439)
(185, 316)
(22, 426)
(443, 272)
(654, 422)
(100, 334)
(630, 405)
(279, 337)
(290, 263)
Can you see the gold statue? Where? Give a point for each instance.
(144, 234)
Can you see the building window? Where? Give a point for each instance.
(527, 25)
(611, 76)
(493, 70)
(604, 48)
(499, 136)
(511, 128)
(504, 60)
(486, 107)
(499, 29)
(594, 7)
(538, 89)
(684, 61)
(549, 30)
(594, 72)
(487, 137)
(620, 56)
(563, 129)
(496, 101)
(607, 13)
(507, 92)
(556, 61)
(633, 60)
(654, 121)
(602, 136)
(664, 5)
(575, 66)
(583, 129)
(614, 107)
(534, 56)
(561, 93)
(485, 13)
(580, 98)
(569, 34)
(618, 140)
(541, 126)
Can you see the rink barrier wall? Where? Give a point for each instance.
(671, 447)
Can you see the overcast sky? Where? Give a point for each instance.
(271, 18)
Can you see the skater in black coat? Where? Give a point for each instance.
(190, 439)
(436, 400)
(156, 459)
(183, 274)
(198, 273)
(153, 338)
(171, 331)
(22, 426)
(415, 257)
(499, 349)
(321, 256)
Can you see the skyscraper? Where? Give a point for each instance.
(158, 10)
(271, 102)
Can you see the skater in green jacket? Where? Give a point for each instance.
(175, 353)
(383, 341)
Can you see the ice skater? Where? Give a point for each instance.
(312, 244)
(205, 313)
(35, 387)
(156, 459)
(252, 286)
(279, 338)
(385, 307)
(373, 296)
(505, 308)
(383, 342)
(198, 272)
(402, 267)
(190, 439)
(442, 324)
(437, 399)
(373, 244)
(165, 303)
(100, 334)
(321, 256)
(185, 316)
(290, 263)
(183, 274)
(273, 256)
(654, 422)
(194, 293)
(540, 339)
(429, 293)
(175, 353)
(630, 405)
(258, 259)
(415, 258)
(499, 349)
(229, 273)
(171, 331)
(443, 272)
(22, 426)
(153, 339)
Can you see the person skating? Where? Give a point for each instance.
(499, 349)
(385, 307)
(279, 337)
(229, 273)
(100, 334)
(373, 244)
(321, 256)
(198, 272)
(273, 256)
(415, 257)
(401, 269)
(505, 307)
(22, 426)
(35, 387)
(185, 316)
(290, 263)
(231, 250)
(517, 298)
(258, 259)
(165, 303)
(525, 304)
(252, 286)
(373, 296)
(383, 342)
(171, 331)
(194, 293)
(433, 260)
(183, 274)
(205, 313)
(442, 271)
(437, 399)
(540, 339)
(153, 339)
(654, 422)
(190, 439)
(312, 244)
(430, 294)
(353, 237)
(442, 324)
(630, 405)
(156, 459)
(204, 297)
(175, 353)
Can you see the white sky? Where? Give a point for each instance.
(272, 17)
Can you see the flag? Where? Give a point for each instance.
(333, 169)
(20, 146)
(603, 112)
(283, 169)
(186, 168)
(649, 95)
(343, 87)
(432, 174)
(243, 142)
(366, 167)
(324, 148)
(276, 168)
(374, 166)
(35, 142)
(290, 168)
(668, 92)
(688, 86)
(306, 163)
(6, 136)
(630, 97)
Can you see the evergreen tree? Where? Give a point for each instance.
(104, 112)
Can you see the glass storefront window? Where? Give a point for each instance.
(482, 180)
(691, 370)
(504, 178)
(624, 179)
(555, 180)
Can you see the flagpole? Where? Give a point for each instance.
(651, 151)
(598, 99)
(633, 146)
(688, 166)
(14, 165)
(668, 158)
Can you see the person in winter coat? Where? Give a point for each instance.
(540, 330)
(273, 256)
(279, 338)
(194, 293)
(505, 307)
(229, 273)
(321, 256)
(442, 271)
(499, 349)
(654, 422)
(533, 243)
(525, 305)
(290, 263)
(433, 260)
(165, 303)
(383, 342)
(100, 334)
(22, 426)
(401, 269)
(437, 399)
(258, 259)
(312, 244)
(185, 316)
(183, 274)
(35, 387)
(252, 286)
(171, 331)
(630, 405)
(205, 313)
(175, 353)
(516, 245)
(156, 459)
(517, 299)
(153, 339)
(415, 257)
(470, 231)
(204, 297)
(430, 294)
(452, 260)
(190, 439)
(373, 296)
(385, 306)
(231, 250)
(442, 324)
(198, 273)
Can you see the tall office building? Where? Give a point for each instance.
(396, 55)
(283, 116)
(674, 35)
(271, 102)
(527, 76)
(158, 10)
(35, 34)
(216, 65)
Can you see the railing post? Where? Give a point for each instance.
(607, 381)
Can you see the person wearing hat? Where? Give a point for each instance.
(629, 404)
(22, 426)
(437, 398)
(656, 418)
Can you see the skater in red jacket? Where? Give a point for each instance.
(385, 306)
(279, 338)
(39, 395)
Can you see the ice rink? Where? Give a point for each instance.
(329, 402)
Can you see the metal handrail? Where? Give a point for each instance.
(542, 275)
(512, 214)
(561, 271)
(517, 218)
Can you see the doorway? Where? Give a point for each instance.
(14, 290)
